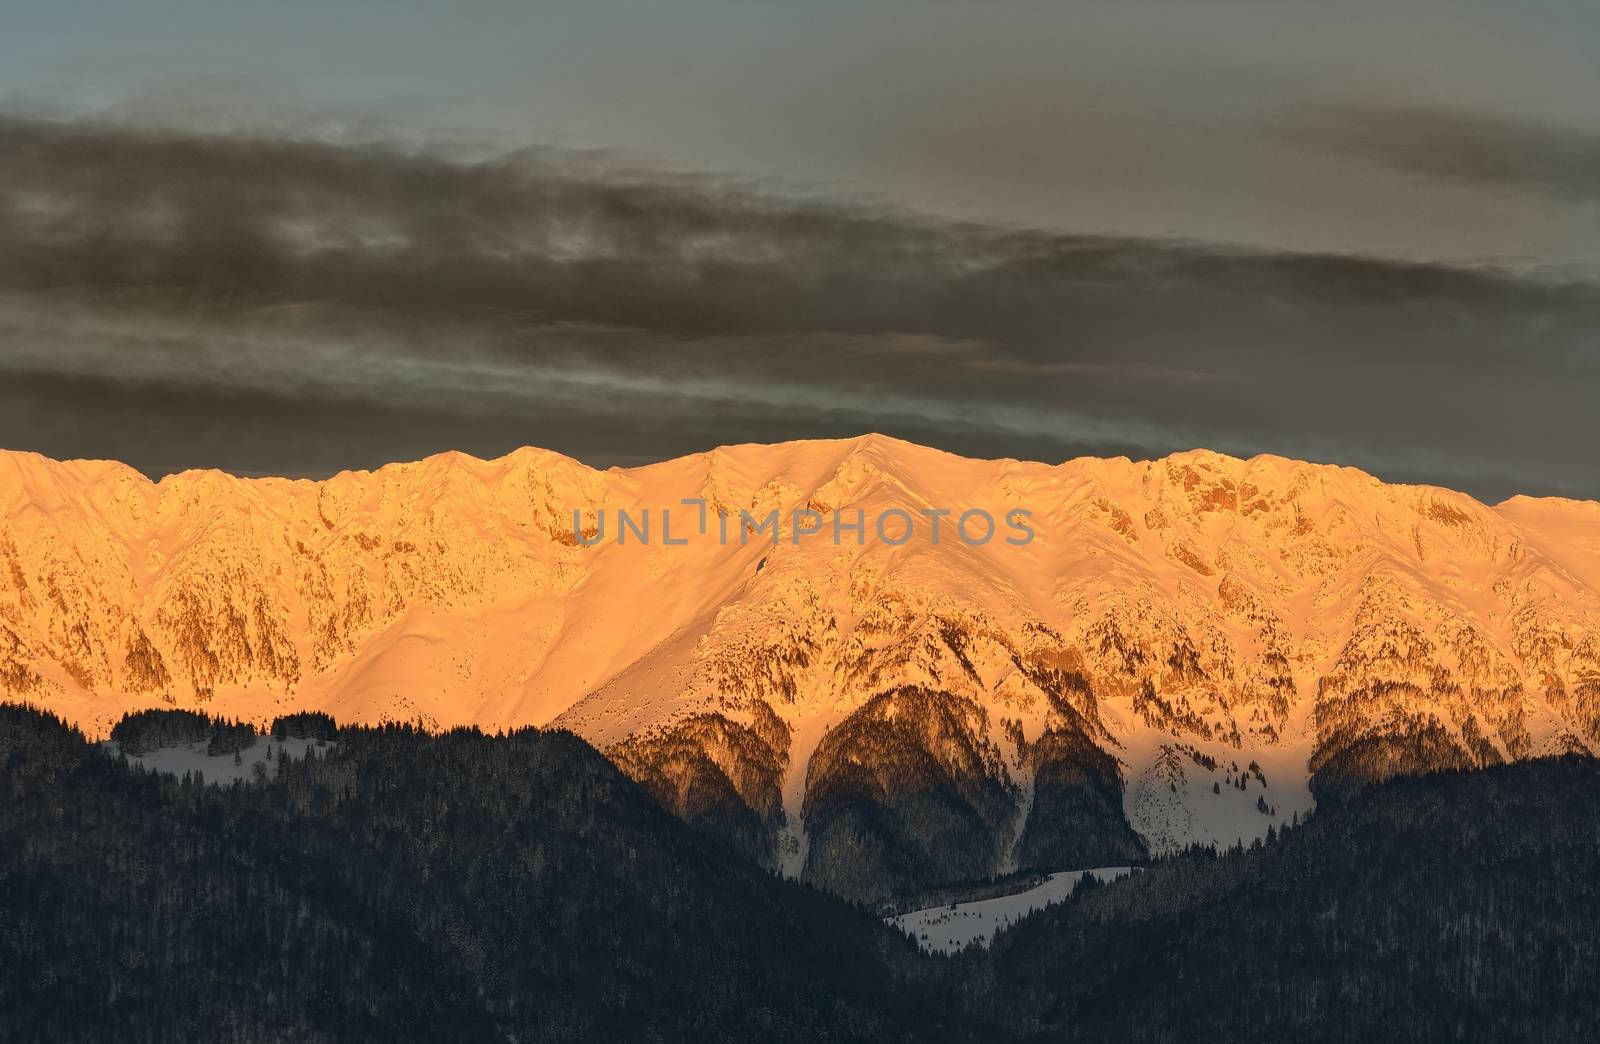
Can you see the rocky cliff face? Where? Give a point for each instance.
(1189, 648)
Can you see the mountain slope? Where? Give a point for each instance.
(410, 887)
(1188, 650)
(1458, 906)
(395, 885)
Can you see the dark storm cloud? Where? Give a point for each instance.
(1522, 154)
(296, 306)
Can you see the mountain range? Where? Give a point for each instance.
(1188, 650)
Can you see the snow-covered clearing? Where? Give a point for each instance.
(946, 929)
(221, 768)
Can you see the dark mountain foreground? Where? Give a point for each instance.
(397, 885)
(410, 887)
(1457, 906)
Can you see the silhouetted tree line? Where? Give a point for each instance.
(146, 730)
(1458, 906)
(309, 725)
(408, 887)
(403, 886)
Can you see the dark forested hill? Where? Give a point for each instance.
(408, 887)
(395, 885)
(1457, 906)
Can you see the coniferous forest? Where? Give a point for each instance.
(396, 885)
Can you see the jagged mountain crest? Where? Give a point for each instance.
(1311, 618)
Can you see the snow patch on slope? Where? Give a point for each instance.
(222, 769)
(946, 929)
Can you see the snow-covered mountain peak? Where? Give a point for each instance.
(1198, 610)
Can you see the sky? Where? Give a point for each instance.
(293, 238)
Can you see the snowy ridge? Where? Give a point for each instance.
(1174, 623)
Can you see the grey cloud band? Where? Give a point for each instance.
(287, 306)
